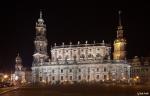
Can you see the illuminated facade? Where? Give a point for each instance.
(19, 75)
(78, 63)
(119, 43)
(140, 67)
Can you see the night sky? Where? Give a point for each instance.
(71, 21)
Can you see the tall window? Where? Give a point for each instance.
(61, 70)
(97, 69)
(70, 70)
(79, 77)
(97, 76)
(79, 70)
(40, 78)
(88, 77)
(53, 78)
(105, 77)
(61, 77)
(104, 69)
(53, 71)
(70, 77)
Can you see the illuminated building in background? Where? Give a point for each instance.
(140, 67)
(19, 75)
(119, 43)
(78, 62)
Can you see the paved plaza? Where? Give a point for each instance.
(81, 91)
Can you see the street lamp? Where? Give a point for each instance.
(5, 76)
(137, 77)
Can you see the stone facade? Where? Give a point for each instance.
(77, 63)
(19, 75)
(140, 69)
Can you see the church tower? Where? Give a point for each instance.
(18, 66)
(119, 43)
(40, 43)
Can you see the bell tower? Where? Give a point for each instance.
(119, 43)
(18, 66)
(40, 43)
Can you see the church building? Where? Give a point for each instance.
(79, 62)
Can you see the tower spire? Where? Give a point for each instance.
(119, 13)
(41, 14)
(40, 20)
(18, 54)
(120, 42)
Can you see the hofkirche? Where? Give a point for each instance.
(81, 62)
